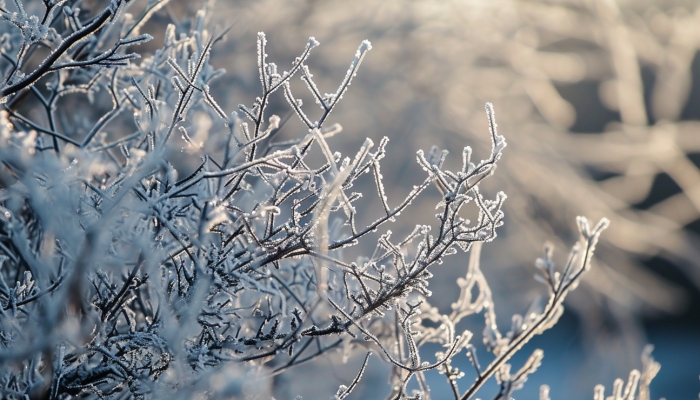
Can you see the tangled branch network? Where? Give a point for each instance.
(125, 276)
(599, 102)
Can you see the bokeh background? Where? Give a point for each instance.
(599, 101)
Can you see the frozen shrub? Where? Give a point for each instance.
(624, 72)
(123, 274)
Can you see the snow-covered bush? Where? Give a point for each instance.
(160, 246)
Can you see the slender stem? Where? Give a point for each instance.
(63, 47)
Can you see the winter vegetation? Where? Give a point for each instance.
(156, 244)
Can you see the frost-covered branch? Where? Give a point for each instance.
(171, 241)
